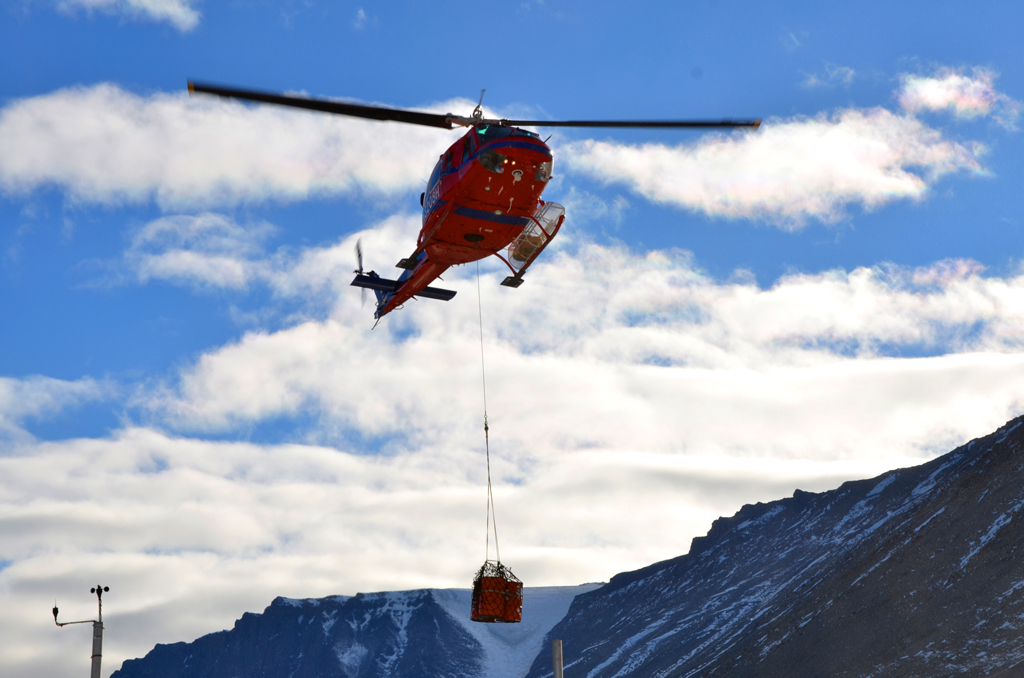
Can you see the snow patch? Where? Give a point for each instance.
(762, 519)
(351, 658)
(1008, 432)
(928, 483)
(999, 523)
(916, 529)
(329, 619)
(509, 649)
(877, 489)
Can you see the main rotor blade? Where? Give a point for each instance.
(356, 110)
(444, 121)
(633, 123)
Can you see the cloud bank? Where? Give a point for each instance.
(207, 248)
(198, 153)
(118, 148)
(789, 171)
(696, 338)
(811, 168)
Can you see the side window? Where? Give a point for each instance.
(467, 147)
(434, 176)
(448, 161)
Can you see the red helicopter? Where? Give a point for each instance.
(483, 196)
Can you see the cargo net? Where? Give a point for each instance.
(497, 595)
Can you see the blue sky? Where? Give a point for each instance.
(193, 407)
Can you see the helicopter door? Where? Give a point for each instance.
(457, 154)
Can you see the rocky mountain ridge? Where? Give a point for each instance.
(914, 573)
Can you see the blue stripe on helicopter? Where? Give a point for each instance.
(506, 219)
(516, 144)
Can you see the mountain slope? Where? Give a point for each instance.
(404, 634)
(915, 573)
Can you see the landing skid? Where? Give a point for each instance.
(512, 281)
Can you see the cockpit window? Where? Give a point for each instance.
(489, 133)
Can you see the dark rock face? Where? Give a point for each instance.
(405, 635)
(916, 573)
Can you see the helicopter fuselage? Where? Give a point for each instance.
(482, 194)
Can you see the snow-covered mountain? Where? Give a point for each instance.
(916, 573)
(404, 634)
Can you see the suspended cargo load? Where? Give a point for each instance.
(497, 595)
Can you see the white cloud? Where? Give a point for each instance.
(670, 324)
(363, 20)
(586, 207)
(179, 13)
(40, 397)
(790, 170)
(211, 250)
(118, 147)
(965, 96)
(208, 249)
(834, 75)
(792, 41)
(669, 338)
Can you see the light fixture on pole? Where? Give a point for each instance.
(97, 629)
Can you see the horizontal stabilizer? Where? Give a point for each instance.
(372, 282)
(435, 293)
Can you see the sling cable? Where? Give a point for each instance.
(497, 593)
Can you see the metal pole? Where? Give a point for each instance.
(556, 657)
(97, 632)
(97, 648)
(97, 629)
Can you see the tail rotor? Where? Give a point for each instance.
(359, 271)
